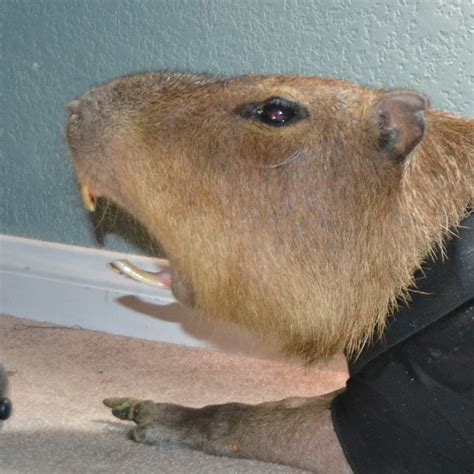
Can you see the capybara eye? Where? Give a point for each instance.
(274, 111)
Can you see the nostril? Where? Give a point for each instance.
(73, 106)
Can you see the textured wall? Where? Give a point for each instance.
(53, 50)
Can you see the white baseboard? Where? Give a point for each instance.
(71, 286)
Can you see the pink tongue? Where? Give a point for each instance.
(164, 278)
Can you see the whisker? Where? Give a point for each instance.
(104, 213)
(293, 157)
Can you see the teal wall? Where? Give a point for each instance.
(53, 50)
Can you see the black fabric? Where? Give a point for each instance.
(409, 403)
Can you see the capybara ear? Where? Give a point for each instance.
(401, 116)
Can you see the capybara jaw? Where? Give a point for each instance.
(296, 207)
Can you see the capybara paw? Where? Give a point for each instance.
(157, 423)
(158, 433)
(132, 409)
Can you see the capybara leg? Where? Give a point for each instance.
(295, 431)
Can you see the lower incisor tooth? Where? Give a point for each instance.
(135, 273)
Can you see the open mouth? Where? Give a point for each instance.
(160, 279)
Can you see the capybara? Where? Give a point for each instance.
(305, 210)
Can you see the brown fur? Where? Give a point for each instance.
(312, 253)
(307, 234)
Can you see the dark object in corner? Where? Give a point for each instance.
(413, 392)
(5, 403)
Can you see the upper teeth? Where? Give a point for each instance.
(88, 199)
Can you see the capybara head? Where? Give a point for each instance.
(296, 207)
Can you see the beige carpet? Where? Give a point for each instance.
(58, 378)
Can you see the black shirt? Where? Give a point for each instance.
(409, 403)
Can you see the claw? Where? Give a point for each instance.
(122, 408)
(115, 402)
(131, 408)
(135, 273)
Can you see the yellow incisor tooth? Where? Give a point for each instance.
(88, 199)
(135, 273)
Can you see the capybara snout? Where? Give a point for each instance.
(296, 207)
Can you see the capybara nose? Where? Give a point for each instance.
(85, 127)
(84, 109)
(74, 106)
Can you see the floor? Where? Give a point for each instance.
(59, 376)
